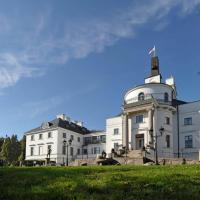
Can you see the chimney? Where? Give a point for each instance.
(79, 123)
(63, 117)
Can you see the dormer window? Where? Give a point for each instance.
(166, 97)
(141, 96)
(45, 125)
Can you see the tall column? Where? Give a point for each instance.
(155, 123)
(150, 125)
(125, 137)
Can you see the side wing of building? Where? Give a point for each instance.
(113, 133)
(189, 125)
(51, 135)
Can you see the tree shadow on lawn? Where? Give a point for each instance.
(96, 183)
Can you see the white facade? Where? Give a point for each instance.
(94, 144)
(39, 140)
(189, 125)
(113, 133)
(151, 111)
(151, 116)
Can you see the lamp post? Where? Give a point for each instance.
(48, 155)
(67, 144)
(161, 130)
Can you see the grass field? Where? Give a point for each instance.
(101, 182)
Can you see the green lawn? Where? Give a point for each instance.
(101, 182)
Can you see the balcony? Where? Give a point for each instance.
(94, 140)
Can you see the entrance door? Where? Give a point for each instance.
(139, 141)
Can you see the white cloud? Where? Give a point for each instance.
(78, 40)
(37, 108)
(12, 70)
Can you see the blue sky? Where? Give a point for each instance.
(80, 57)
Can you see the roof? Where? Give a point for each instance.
(118, 115)
(60, 123)
(176, 102)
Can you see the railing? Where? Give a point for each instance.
(157, 96)
(190, 155)
(94, 142)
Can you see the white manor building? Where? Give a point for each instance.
(151, 112)
(85, 144)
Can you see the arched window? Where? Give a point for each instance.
(141, 96)
(166, 97)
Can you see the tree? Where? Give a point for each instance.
(1, 142)
(14, 150)
(4, 154)
(23, 149)
(10, 150)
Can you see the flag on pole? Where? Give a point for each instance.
(152, 52)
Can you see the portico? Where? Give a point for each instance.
(137, 121)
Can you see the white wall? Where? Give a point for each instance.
(111, 124)
(163, 150)
(90, 147)
(56, 142)
(75, 144)
(185, 111)
(138, 128)
(44, 142)
(157, 90)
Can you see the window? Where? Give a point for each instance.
(167, 141)
(188, 141)
(40, 150)
(71, 151)
(78, 139)
(85, 152)
(116, 131)
(141, 143)
(94, 139)
(40, 136)
(167, 120)
(87, 140)
(32, 151)
(32, 137)
(139, 119)
(64, 135)
(116, 146)
(96, 150)
(78, 152)
(141, 96)
(188, 121)
(103, 138)
(64, 150)
(166, 97)
(49, 134)
(71, 137)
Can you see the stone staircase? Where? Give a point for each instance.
(135, 154)
(133, 157)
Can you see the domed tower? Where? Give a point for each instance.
(148, 111)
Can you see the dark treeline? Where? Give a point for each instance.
(12, 150)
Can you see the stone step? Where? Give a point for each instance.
(135, 154)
